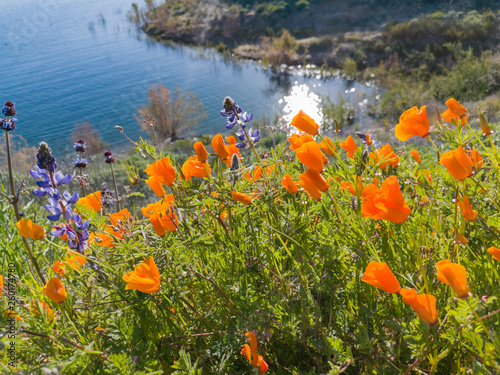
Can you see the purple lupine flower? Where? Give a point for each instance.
(9, 109)
(106, 197)
(45, 158)
(8, 124)
(109, 159)
(254, 135)
(80, 146)
(80, 163)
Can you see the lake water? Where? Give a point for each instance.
(64, 62)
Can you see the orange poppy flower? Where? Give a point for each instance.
(257, 173)
(311, 156)
(163, 170)
(424, 175)
(9, 314)
(348, 185)
(349, 146)
(220, 147)
(305, 123)
(385, 203)
(467, 212)
(458, 163)
(74, 261)
(231, 140)
(423, 304)
(384, 156)
(317, 179)
(91, 201)
(309, 187)
(145, 278)
(156, 186)
(120, 218)
(59, 267)
(29, 229)
(456, 112)
(201, 152)
(297, 140)
(327, 147)
(454, 275)
(416, 156)
(289, 185)
(475, 157)
(494, 251)
(413, 122)
(240, 197)
(194, 168)
(54, 289)
(162, 216)
(251, 353)
(379, 275)
(44, 309)
(1, 284)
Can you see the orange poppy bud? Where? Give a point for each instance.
(349, 146)
(163, 170)
(495, 252)
(368, 140)
(416, 156)
(467, 212)
(485, 127)
(423, 304)
(454, 275)
(458, 163)
(220, 147)
(297, 140)
(54, 289)
(231, 140)
(156, 186)
(317, 179)
(310, 187)
(328, 147)
(476, 159)
(413, 122)
(145, 278)
(29, 229)
(456, 112)
(157, 225)
(305, 123)
(385, 156)
(385, 203)
(458, 238)
(1, 284)
(240, 197)
(289, 185)
(91, 201)
(379, 275)
(311, 156)
(201, 152)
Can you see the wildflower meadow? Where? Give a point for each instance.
(321, 254)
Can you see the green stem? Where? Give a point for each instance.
(14, 203)
(251, 144)
(116, 187)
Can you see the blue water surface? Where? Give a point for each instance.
(64, 62)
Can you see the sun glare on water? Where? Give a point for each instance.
(301, 97)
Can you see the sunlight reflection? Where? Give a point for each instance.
(301, 97)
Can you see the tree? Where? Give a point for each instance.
(172, 111)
